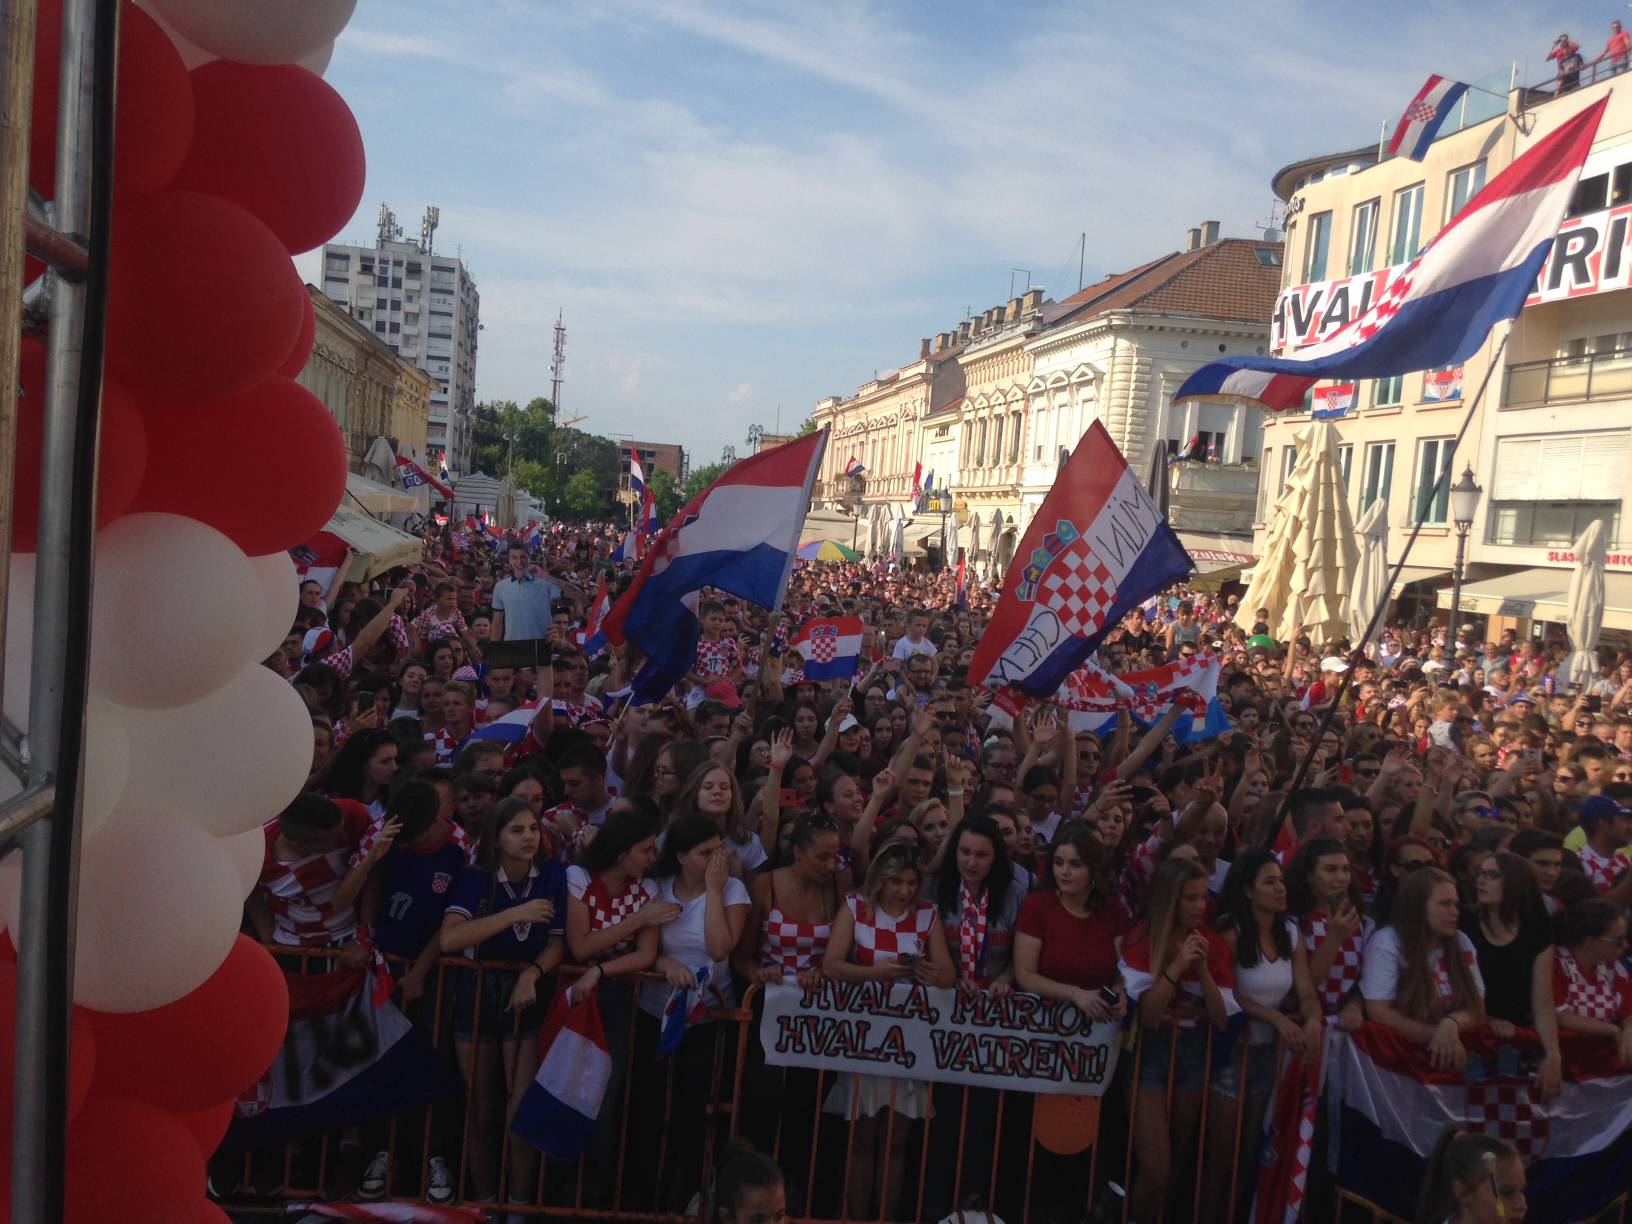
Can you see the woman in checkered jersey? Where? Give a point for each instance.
(1324, 899)
(1590, 980)
(887, 932)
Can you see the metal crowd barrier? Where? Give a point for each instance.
(978, 1151)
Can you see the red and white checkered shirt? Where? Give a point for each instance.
(1605, 994)
(605, 909)
(1442, 975)
(792, 946)
(1343, 978)
(717, 659)
(573, 714)
(432, 628)
(342, 661)
(300, 894)
(1602, 869)
(447, 744)
(880, 938)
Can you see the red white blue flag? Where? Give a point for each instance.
(855, 467)
(830, 647)
(738, 535)
(558, 1111)
(412, 476)
(1095, 697)
(594, 641)
(1288, 1141)
(1423, 116)
(1439, 308)
(1097, 549)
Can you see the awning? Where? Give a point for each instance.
(1217, 552)
(834, 525)
(1416, 573)
(1214, 580)
(379, 546)
(1542, 594)
(378, 498)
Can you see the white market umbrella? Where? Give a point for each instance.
(1371, 579)
(380, 462)
(1584, 614)
(898, 543)
(974, 538)
(1310, 558)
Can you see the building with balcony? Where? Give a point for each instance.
(367, 387)
(1551, 441)
(1117, 351)
(667, 457)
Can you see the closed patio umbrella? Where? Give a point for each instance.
(1371, 579)
(1584, 614)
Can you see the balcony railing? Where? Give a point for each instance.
(1570, 380)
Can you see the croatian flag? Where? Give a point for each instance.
(917, 480)
(532, 538)
(594, 642)
(1288, 1140)
(412, 476)
(629, 549)
(1422, 118)
(685, 1006)
(558, 1111)
(1333, 403)
(739, 536)
(1095, 696)
(1439, 308)
(929, 480)
(646, 515)
(508, 729)
(1388, 1105)
(830, 647)
(854, 467)
(1097, 549)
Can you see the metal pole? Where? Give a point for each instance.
(1456, 590)
(90, 30)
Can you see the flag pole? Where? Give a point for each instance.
(1377, 613)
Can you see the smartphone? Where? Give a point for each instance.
(1595, 703)
(1108, 995)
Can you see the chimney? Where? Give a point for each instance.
(923, 349)
(943, 341)
(1011, 312)
(1195, 239)
(994, 316)
(1032, 302)
(963, 332)
(1209, 233)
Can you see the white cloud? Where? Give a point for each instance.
(743, 393)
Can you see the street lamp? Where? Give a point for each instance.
(1464, 504)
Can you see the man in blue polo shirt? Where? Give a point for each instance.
(523, 602)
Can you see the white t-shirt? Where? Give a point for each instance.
(905, 648)
(683, 940)
(1380, 975)
(1267, 983)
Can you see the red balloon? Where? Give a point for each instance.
(280, 142)
(209, 1125)
(302, 352)
(123, 456)
(203, 301)
(266, 468)
(204, 1048)
(132, 1162)
(81, 1053)
(154, 123)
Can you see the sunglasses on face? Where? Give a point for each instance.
(1416, 864)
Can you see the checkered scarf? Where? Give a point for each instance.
(971, 932)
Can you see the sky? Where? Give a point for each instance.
(742, 208)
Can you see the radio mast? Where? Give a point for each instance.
(557, 362)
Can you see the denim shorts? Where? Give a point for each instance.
(1189, 1066)
(496, 1020)
(1262, 1061)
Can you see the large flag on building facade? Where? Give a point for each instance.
(1096, 550)
(738, 535)
(1388, 1105)
(1423, 117)
(1439, 308)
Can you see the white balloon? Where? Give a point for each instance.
(280, 600)
(258, 31)
(107, 763)
(160, 903)
(318, 61)
(191, 54)
(176, 611)
(227, 763)
(248, 853)
(19, 638)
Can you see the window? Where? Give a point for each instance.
(396, 328)
(1289, 460)
(1363, 237)
(1039, 432)
(1432, 496)
(337, 263)
(997, 439)
(1464, 185)
(1316, 246)
(396, 303)
(1591, 195)
(980, 446)
(1549, 524)
(379, 303)
(396, 282)
(1014, 437)
(1379, 473)
(1345, 461)
(1387, 391)
(1407, 235)
(1546, 489)
(1267, 257)
(1263, 485)
(383, 281)
(413, 267)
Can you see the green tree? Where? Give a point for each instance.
(809, 427)
(665, 492)
(584, 497)
(701, 478)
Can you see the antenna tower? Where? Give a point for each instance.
(427, 229)
(389, 229)
(558, 361)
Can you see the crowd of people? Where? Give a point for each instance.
(1455, 858)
